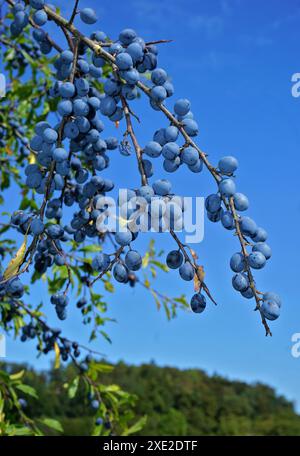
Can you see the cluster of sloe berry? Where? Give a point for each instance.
(48, 337)
(164, 140)
(71, 154)
(95, 404)
(14, 127)
(31, 48)
(218, 209)
(165, 144)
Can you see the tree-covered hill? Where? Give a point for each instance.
(176, 402)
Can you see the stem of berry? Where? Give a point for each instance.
(248, 269)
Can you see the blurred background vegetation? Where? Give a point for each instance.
(176, 402)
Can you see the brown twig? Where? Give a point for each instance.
(148, 43)
(68, 38)
(111, 59)
(116, 258)
(71, 79)
(64, 256)
(248, 269)
(35, 317)
(74, 12)
(193, 264)
(137, 148)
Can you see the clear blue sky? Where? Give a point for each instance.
(234, 59)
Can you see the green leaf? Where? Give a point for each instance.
(13, 430)
(100, 367)
(91, 248)
(27, 57)
(138, 426)
(160, 265)
(157, 302)
(153, 272)
(27, 390)
(110, 388)
(167, 310)
(106, 336)
(73, 388)
(25, 203)
(182, 300)
(109, 286)
(53, 424)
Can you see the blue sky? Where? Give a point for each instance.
(234, 61)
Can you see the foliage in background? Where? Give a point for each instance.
(171, 402)
(29, 75)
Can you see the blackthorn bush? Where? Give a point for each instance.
(88, 82)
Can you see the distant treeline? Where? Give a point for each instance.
(176, 402)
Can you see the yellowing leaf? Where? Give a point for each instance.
(157, 302)
(17, 376)
(194, 254)
(145, 261)
(201, 273)
(32, 159)
(8, 150)
(147, 283)
(57, 356)
(199, 278)
(14, 264)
